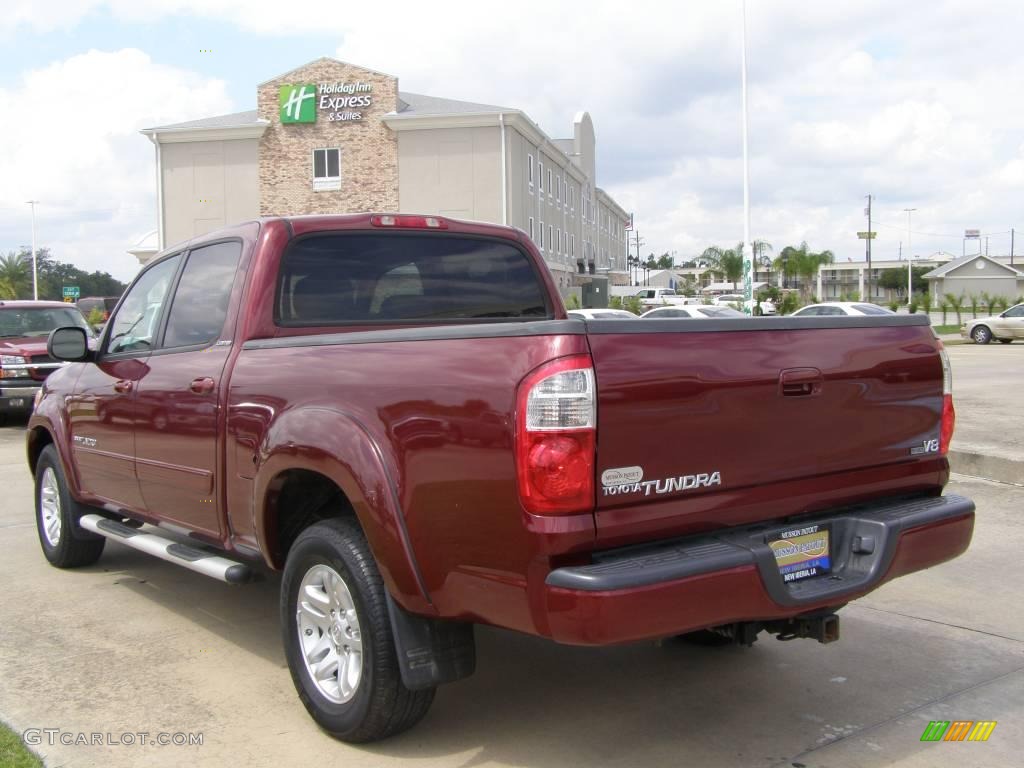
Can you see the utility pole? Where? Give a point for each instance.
(1011, 246)
(35, 272)
(867, 277)
(910, 257)
(986, 245)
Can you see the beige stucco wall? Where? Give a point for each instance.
(452, 172)
(369, 150)
(207, 185)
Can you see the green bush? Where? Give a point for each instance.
(95, 317)
(788, 304)
(894, 305)
(615, 302)
(912, 307)
(974, 305)
(633, 304)
(573, 302)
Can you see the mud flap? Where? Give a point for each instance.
(431, 652)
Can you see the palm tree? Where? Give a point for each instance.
(800, 261)
(726, 263)
(14, 275)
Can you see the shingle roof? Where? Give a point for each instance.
(418, 104)
(947, 268)
(249, 117)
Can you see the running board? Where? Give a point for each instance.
(166, 549)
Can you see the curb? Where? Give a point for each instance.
(988, 467)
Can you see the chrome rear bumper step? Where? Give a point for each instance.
(194, 559)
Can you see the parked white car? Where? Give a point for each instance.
(600, 314)
(696, 311)
(654, 297)
(842, 308)
(736, 299)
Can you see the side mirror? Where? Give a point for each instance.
(70, 344)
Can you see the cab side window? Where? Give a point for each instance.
(200, 303)
(134, 327)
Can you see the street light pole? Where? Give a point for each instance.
(35, 278)
(748, 251)
(910, 257)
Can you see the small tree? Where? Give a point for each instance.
(912, 307)
(573, 302)
(615, 302)
(633, 304)
(988, 301)
(894, 305)
(974, 306)
(945, 309)
(1002, 304)
(956, 303)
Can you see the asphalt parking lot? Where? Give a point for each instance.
(134, 645)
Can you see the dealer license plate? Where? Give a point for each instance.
(802, 553)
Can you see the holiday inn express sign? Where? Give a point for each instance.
(340, 102)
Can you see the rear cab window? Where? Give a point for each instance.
(329, 279)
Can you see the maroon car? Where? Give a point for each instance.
(395, 412)
(24, 361)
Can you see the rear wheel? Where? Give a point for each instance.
(338, 639)
(64, 543)
(981, 335)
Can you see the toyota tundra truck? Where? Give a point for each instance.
(395, 412)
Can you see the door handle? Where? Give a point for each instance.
(800, 382)
(123, 386)
(202, 386)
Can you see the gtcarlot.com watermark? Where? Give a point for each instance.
(50, 737)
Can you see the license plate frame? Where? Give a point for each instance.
(802, 552)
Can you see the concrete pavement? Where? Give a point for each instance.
(135, 644)
(987, 385)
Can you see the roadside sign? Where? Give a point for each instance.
(71, 293)
(866, 235)
(972, 234)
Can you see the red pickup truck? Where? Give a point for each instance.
(395, 412)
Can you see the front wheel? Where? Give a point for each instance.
(64, 543)
(338, 639)
(981, 335)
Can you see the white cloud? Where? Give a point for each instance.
(71, 141)
(912, 102)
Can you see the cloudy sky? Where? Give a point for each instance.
(918, 103)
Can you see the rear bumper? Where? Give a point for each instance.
(663, 589)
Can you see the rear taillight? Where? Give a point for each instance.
(409, 222)
(556, 437)
(948, 413)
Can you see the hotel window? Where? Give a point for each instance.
(540, 176)
(531, 230)
(529, 166)
(572, 245)
(558, 189)
(326, 170)
(572, 198)
(551, 236)
(550, 191)
(542, 235)
(558, 239)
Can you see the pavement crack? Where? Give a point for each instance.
(942, 623)
(899, 716)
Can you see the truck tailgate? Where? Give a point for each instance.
(695, 415)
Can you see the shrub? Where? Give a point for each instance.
(573, 302)
(894, 305)
(633, 304)
(615, 302)
(95, 317)
(974, 305)
(912, 307)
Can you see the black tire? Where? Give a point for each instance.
(981, 334)
(1006, 341)
(72, 546)
(380, 706)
